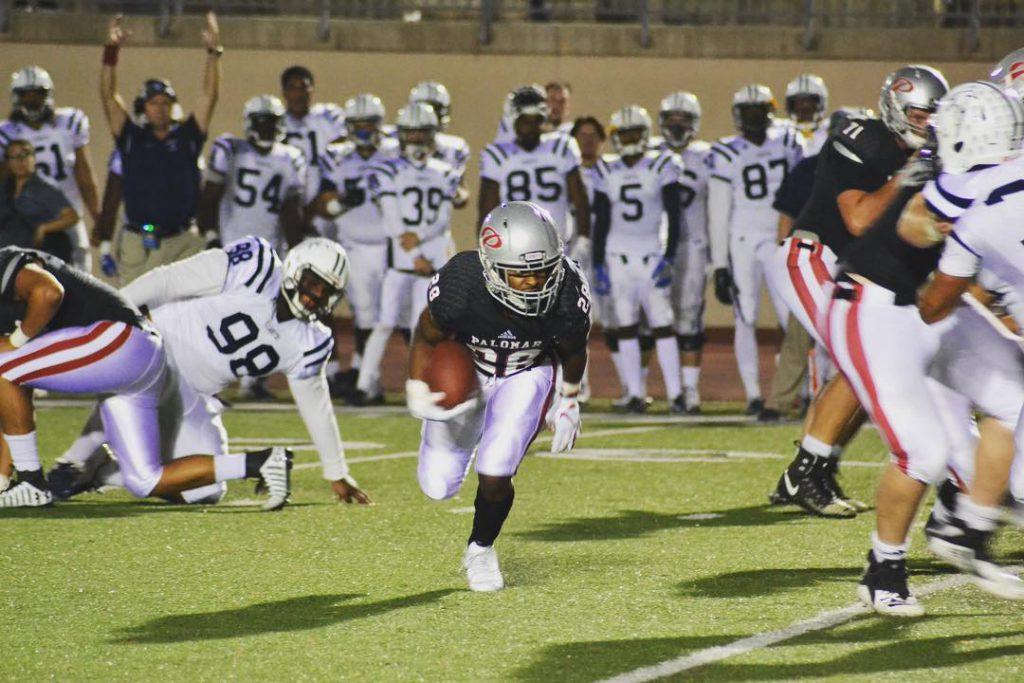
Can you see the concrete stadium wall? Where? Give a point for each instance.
(478, 83)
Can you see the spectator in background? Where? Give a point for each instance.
(558, 107)
(33, 212)
(160, 172)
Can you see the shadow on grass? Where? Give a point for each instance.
(885, 648)
(128, 508)
(294, 614)
(638, 523)
(758, 582)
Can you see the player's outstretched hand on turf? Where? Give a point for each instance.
(565, 422)
(348, 491)
(425, 404)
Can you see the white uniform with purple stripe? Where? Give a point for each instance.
(56, 144)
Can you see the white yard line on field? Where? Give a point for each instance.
(759, 641)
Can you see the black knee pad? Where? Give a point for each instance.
(646, 342)
(611, 341)
(691, 342)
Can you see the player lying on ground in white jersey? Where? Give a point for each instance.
(231, 313)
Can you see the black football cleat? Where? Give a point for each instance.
(636, 405)
(884, 589)
(755, 406)
(831, 470)
(678, 405)
(769, 415)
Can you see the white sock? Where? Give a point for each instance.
(229, 466)
(691, 376)
(24, 451)
(884, 551)
(83, 448)
(816, 446)
(980, 517)
(617, 362)
(668, 359)
(373, 354)
(210, 493)
(747, 360)
(629, 352)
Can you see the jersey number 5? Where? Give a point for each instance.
(239, 330)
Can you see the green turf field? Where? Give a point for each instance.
(649, 544)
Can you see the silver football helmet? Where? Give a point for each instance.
(1009, 72)
(679, 105)
(978, 123)
(437, 96)
(529, 100)
(521, 238)
(327, 261)
(263, 115)
(28, 79)
(754, 94)
(364, 114)
(417, 117)
(807, 85)
(914, 85)
(630, 118)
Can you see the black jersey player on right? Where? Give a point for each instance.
(861, 172)
(521, 307)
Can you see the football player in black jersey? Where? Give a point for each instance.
(63, 330)
(861, 171)
(521, 308)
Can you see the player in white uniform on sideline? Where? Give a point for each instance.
(451, 149)
(60, 136)
(415, 193)
(807, 108)
(679, 121)
(228, 313)
(535, 167)
(633, 190)
(746, 171)
(309, 126)
(357, 221)
(255, 185)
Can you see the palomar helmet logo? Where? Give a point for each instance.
(902, 85)
(1016, 70)
(490, 238)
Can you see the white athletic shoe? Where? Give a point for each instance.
(25, 495)
(884, 589)
(482, 570)
(276, 476)
(5, 481)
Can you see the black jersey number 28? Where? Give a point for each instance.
(237, 331)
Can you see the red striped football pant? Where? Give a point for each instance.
(801, 272)
(885, 350)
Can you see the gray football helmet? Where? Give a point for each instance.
(520, 238)
(914, 85)
(807, 85)
(630, 117)
(436, 95)
(679, 104)
(364, 114)
(264, 114)
(417, 117)
(28, 79)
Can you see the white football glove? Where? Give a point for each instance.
(423, 403)
(565, 422)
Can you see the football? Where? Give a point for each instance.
(451, 370)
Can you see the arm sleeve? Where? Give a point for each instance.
(671, 197)
(602, 224)
(199, 275)
(490, 160)
(79, 129)
(719, 212)
(220, 161)
(313, 400)
(958, 258)
(382, 190)
(944, 199)
(570, 157)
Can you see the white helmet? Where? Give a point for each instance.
(978, 123)
(28, 79)
(750, 95)
(437, 96)
(914, 85)
(684, 103)
(324, 259)
(520, 237)
(417, 116)
(260, 112)
(364, 107)
(1009, 72)
(807, 85)
(630, 117)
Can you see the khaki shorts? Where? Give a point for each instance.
(134, 260)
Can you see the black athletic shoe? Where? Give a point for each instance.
(884, 588)
(769, 415)
(360, 399)
(67, 480)
(636, 405)
(755, 406)
(831, 470)
(343, 383)
(678, 405)
(802, 464)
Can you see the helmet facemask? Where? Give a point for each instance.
(263, 130)
(753, 118)
(41, 108)
(417, 143)
(322, 289)
(364, 132)
(799, 106)
(529, 303)
(630, 141)
(677, 127)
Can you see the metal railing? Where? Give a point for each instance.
(813, 15)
